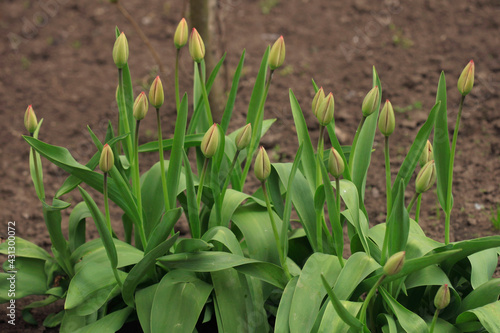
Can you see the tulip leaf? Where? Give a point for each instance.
(410, 321)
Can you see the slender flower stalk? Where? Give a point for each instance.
(202, 181)
(136, 180)
(412, 201)
(205, 96)
(162, 160)
(180, 39)
(177, 94)
(417, 209)
(106, 163)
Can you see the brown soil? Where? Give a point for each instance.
(56, 55)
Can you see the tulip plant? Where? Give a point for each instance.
(245, 266)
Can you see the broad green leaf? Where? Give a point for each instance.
(484, 294)
(178, 301)
(442, 326)
(24, 248)
(357, 268)
(332, 322)
(483, 265)
(30, 279)
(110, 323)
(192, 213)
(27, 316)
(224, 236)
(97, 301)
(390, 326)
(153, 204)
(192, 245)
(488, 316)
(398, 224)
(53, 319)
(76, 225)
(428, 276)
(283, 315)
(309, 292)
(164, 228)
(410, 321)
(228, 111)
(94, 250)
(144, 303)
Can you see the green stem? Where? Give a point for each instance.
(126, 127)
(202, 180)
(434, 320)
(362, 316)
(136, 180)
(388, 181)
(37, 173)
(319, 217)
(205, 96)
(106, 202)
(319, 235)
(275, 232)
(162, 161)
(450, 173)
(177, 96)
(355, 142)
(228, 177)
(417, 209)
(337, 185)
(412, 201)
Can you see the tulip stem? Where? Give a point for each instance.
(200, 185)
(337, 185)
(106, 202)
(388, 181)
(136, 180)
(417, 209)
(228, 177)
(450, 173)
(177, 96)
(205, 96)
(319, 152)
(38, 181)
(162, 161)
(362, 316)
(124, 119)
(354, 143)
(434, 320)
(412, 201)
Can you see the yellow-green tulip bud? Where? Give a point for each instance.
(317, 100)
(262, 167)
(395, 263)
(243, 137)
(442, 298)
(156, 97)
(140, 106)
(277, 54)
(325, 110)
(107, 159)
(386, 120)
(370, 102)
(427, 154)
(335, 163)
(210, 141)
(426, 177)
(181, 34)
(30, 121)
(120, 51)
(466, 79)
(196, 46)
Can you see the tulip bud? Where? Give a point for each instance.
(442, 298)
(395, 263)
(181, 34)
(277, 54)
(427, 154)
(426, 177)
(335, 163)
(107, 159)
(244, 136)
(196, 46)
(325, 110)
(370, 102)
(120, 51)
(466, 79)
(262, 167)
(210, 141)
(140, 106)
(30, 121)
(386, 120)
(156, 93)
(317, 100)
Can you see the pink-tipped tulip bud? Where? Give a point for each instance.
(326, 110)
(277, 54)
(156, 97)
(262, 167)
(370, 102)
(427, 154)
(30, 121)
(466, 79)
(442, 298)
(426, 177)
(140, 106)
(243, 137)
(317, 100)
(395, 263)
(335, 163)
(107, 159)
(386, 120)
(120, 51)
(210, 141)
(196, 46)
(181, 34)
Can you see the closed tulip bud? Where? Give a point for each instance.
(107, 159)
(120, 51)
(277, 54)
(426, 177)
(30, 121)
(427, 154)
(370, 102)
(317, 100)
(442, 298)
(196, 46)
(395, 263)
(244, 136)
(140, 106)
(156, 97)
(386, 120)
(466, 79)
(262, 167)
(210, 141)
(335, 163)
(181, 34)
(325, 110)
